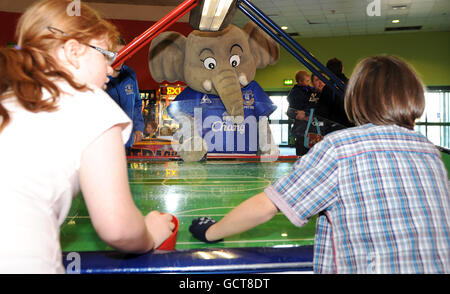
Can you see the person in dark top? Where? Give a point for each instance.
(124, 90)
(331, 104)
(299, 106)
(317, 88)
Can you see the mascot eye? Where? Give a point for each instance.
(235, 60)
(209, 63)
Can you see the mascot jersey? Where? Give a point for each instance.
(222, 135)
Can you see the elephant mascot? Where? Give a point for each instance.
(223, 110)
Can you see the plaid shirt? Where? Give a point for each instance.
(382, 196)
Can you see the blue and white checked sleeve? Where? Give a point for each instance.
(311, 187)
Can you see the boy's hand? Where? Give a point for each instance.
(199, 227)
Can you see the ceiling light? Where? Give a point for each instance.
(284, 27)
(396, 21)
(398, 7)
(212, 15)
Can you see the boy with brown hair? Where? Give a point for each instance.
(380, 189)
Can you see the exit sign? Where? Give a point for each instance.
(288, 82)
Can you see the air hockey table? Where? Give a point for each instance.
(189, 190)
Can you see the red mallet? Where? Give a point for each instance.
(170, 242)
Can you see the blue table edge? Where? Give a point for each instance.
(194, 261)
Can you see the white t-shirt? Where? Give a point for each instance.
(40, 156)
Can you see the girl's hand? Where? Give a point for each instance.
(160, 226)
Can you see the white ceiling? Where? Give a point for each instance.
(323, 18)
(308, 18)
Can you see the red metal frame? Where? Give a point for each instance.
(154, 31)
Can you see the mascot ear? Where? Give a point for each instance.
(264, 49)
(166, 57)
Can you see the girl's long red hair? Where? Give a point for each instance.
(29, 69)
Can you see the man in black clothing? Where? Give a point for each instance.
(331, 105)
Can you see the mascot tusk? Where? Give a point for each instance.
(243, 79)
(207, 85)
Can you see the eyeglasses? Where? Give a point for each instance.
(109, 55)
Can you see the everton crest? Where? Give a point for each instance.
(249, 99)
(129, 89)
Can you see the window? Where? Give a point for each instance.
(279, 121)
(435, 121)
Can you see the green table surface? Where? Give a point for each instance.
(446, 159)
(191, 190)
